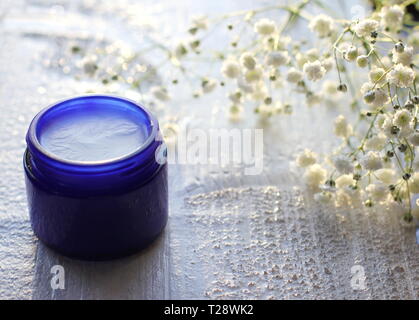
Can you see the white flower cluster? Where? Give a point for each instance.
(323, 25)
(392, 17)
(274, 61)
(365, 27)
(375, 162)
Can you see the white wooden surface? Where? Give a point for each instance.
(229, 235)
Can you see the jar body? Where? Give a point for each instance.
(96, 177)
(98, 227)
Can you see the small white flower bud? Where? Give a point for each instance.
(376, 74)
(362, 61)
(208, 85)
(342, 87)
(248, 61)
(399, 47)
(314, 70)
(402, 118)
(294, 75)
(277, 58)
(265, 27)
(371, 161)
(230, 69)
(369, 96)
(352, 53)
(401, 76)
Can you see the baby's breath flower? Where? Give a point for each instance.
(278, 82)
(160, 93)
(392, 17)
(244, 86)
(329, 87)
(405, 57)
(342, 87)
(248, 60)
(322, 24)
(235, 111)
(259, 92)
(265, 27)
(180, 50)
(406, 131)
(344, 180)
(401, 76)
(254, 75)
(376, 75)
(409, 105)
(389, 129)
(343, 164)
(362, 61)
(399, 47)
(342, 128)
(372, 161)
(377, 191)
(236, 96)
(380, 120)
(312, 54)
(351, 54)
(230, 69)
(306, 158)
(315, 175)
(386, 175)
(328, 63)
(376, 143)
(376, 97)
(301, 59)
(277, 58)
(208, 85)
(258, 77)
(294, 75)
(314, 70)
(369, 96)
(282, 42)
(346, 197)
(365, 27)
(386, 62)
(276, 42)
(381, 97)
(279, 108)
(402, 118)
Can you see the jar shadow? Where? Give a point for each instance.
(144, 275)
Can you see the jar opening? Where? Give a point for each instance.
(93, 144)
(92, 130)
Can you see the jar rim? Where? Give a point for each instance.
(35, 145)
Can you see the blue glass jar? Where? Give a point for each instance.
(96, 177)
